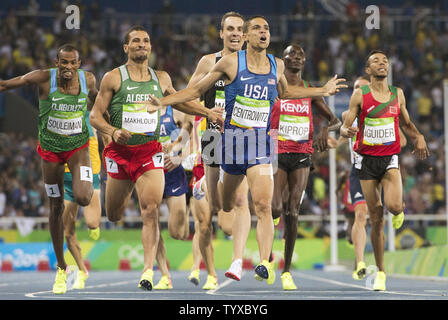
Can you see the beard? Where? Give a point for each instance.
(139, 58)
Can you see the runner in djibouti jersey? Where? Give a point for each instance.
(62, 124)
(249, 100)
(127, 112)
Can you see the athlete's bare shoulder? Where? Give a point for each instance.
(165, 81)
(207, 62)
(111, 80)
(90, 77)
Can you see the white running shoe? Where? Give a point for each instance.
(235, 270)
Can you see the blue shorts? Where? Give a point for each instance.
(242, 149)
(176, 183)
(355, 188)
(68, 187)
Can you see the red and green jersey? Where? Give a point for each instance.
(378, 133)
(62, 124)
(294, 121)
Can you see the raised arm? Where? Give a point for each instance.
(411, 130)
(347, 131)
(36, 77)
(222, 69)
(188, 107)
(206, 63)
(286, 91)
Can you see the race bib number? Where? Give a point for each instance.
(138, 121)
(250, 113)
(379, 131)
(158, 160)
(86, 174)
(65, 123)
(294, 128)
(111, 165)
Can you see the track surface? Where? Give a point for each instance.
(312, 285)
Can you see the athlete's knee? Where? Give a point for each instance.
(149, 211)
(361, 216)
(205, 229)
(176, 232)
(262, 207)
(241, 200)
(395, 208)
(83, 199)
(377, 220)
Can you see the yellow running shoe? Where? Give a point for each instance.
(146, 280)
(265, 270)
(60, 282)
(380, 281)
(194, 277)
(258, 278)
(360, 271)
(211, 283)
(288, 282)
(80, 280)
(164, 284)
(397, 221)
(94, 234)
(276, 221)
(271, 270)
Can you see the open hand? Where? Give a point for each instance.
(334, 85)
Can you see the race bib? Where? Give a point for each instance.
(220, 99)
(294, 128)
(65, 123)
(138, 121)
(250, 113)
(379, 131)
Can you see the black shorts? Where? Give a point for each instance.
(374, 167)
(292, 161)
(209, 143)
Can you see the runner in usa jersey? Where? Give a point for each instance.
(292, 124)
(380, 109)
(252, 77)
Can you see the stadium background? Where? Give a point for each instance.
(335, 38)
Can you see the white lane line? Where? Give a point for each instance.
(33, 294)
(306, 276)
(224, 284)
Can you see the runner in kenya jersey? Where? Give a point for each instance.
(292, 124)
